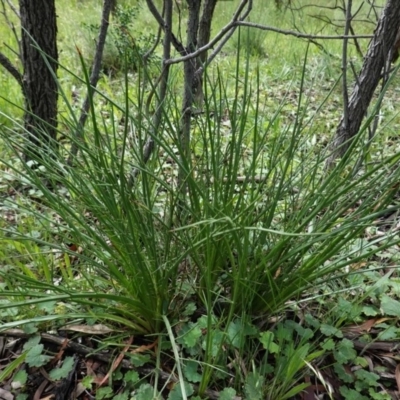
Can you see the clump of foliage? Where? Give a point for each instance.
(258, 225)
(132, 46)
(215, 276)
(126, 48)
(254, 40)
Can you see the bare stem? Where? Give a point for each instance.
(344, 66)
(8, 65)
(94, 78)
(162, 91)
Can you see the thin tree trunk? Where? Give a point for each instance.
(10, 67)
(379, 52)
(40, 56)
(162, 91)
(188, 95)
(94, 77)
(203, 38)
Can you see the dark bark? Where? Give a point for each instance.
(174, 41)
(9, 66)
(113, 6)
(396, 48)
(376, 59)
(189, 68)
(162, 91)
(203, 38)
(40, 57)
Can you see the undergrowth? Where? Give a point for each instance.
(241, 286)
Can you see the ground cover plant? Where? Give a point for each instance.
(235, 265)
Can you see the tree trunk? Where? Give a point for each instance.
(189, 70)
(379, 52)
(39, 31)
(94, 76)
(188, 94)
(203, 38)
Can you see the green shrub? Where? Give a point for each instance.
(125, 47)
(261, 223)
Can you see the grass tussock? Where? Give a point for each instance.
(238, 278)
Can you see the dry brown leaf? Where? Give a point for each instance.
(384, 319)
(365, 327)
(60, 353)
(6, 395)
(90, 370)
(397, 375)
(97, 329)
(143, 348)
(309, 392)
(358, 265)
(40, 390)
(117, 361)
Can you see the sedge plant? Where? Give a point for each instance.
(264, 222)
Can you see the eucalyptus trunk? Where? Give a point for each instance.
(376, 60)
(203, 38)
(40, 61)
(189, 69)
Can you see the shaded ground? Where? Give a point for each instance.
(93, 372)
